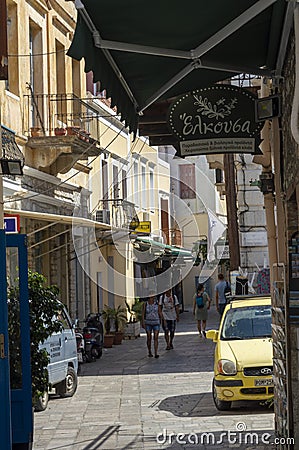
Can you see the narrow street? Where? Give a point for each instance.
(126, 400)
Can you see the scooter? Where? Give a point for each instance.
(81, 354)
(93, 334)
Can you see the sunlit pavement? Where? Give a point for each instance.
(126, 401)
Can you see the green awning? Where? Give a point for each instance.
(167, 251)
(145, 51)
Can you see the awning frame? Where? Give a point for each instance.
(194, 54)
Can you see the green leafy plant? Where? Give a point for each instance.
(108, 317)
(120, 318)
(44, 307)
(137, 308)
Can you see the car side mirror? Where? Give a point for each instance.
(212, 334)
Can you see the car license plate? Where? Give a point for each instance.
(80, 357)
(263, 382)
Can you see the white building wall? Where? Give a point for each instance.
(252, 220)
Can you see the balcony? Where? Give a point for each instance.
(61, 129)
(118, 213)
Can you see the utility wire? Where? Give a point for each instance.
(70, 177)
(119, 171)
(30, 55)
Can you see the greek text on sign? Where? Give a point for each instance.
(211, 146)
(218, 119)
(143, 227)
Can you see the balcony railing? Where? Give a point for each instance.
(118, 213)
(60, 114)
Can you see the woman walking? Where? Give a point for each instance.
(151, 319)
(201, 305)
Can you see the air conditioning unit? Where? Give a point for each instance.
(103, 216)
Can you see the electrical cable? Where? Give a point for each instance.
(119, 171)
(14, 198)
(67, 179)
(30, 55)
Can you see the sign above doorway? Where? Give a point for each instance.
(216, 119)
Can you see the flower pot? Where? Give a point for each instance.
(118, 337)
(108, 340)
(59, 131)
(132, 330)
(71, 131)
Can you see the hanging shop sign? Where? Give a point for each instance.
(143, 228)
(216, 119)
(222, 251)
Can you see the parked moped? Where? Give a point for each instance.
(81, 354)
(93, 334)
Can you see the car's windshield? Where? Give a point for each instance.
(250, 322)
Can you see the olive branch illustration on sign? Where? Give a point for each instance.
(219, 110)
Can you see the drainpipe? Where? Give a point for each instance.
(266, 178)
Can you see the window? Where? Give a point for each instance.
(136, 188)
(187, 181)
(115, 183)
(12, 84)
(36, 73)
(143, 188)
(61, 117)
(124, 184)
(104, 184)
(151, 191)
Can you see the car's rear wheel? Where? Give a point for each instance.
(221, 405)
(68, 387)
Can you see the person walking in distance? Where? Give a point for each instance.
(201, 305)
(151, 320)
(220, 289)
(169, 308)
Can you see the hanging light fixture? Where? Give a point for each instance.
(11, 166)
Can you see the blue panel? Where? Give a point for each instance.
(5, 419)
(22, 416)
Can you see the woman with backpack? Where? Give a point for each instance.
(151, 320)
(201, 305)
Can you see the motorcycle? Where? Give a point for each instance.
(81, 354)
(93, 334)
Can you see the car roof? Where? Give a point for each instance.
(249, 300)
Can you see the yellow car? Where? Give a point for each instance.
(243, 364)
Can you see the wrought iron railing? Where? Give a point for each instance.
(50, 114)
(118, 213)
(10, 149)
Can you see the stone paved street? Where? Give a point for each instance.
(126, 401)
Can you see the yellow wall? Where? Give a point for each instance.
(50, 27)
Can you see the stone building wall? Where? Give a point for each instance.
(290, 181)
(290, 148)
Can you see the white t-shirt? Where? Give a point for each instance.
(168, 306)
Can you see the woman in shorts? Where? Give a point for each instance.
(151, 319)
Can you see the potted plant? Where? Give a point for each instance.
(120, 319)
(59, 131)
(108, 317)
(72, 130)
